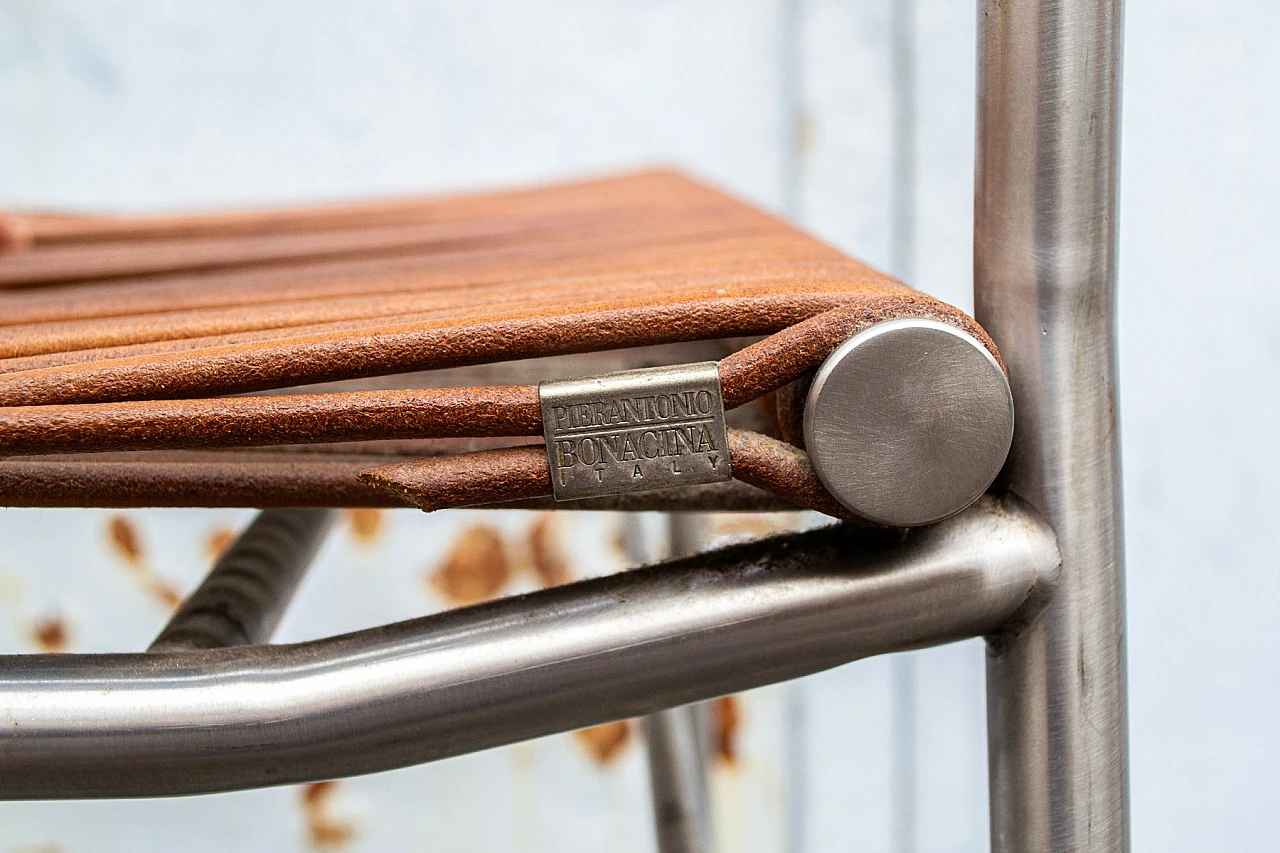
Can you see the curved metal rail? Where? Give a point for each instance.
(131, 725)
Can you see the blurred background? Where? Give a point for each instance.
(855, 118)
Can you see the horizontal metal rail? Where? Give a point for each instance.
(131, 725)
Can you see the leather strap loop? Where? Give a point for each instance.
(434, 413)
(128, 333)
(492, 476)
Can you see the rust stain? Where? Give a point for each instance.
(476, 568)
(124, 538)
(51, 634)
(547, 551)
(366, 524)
(218, 542)
(605, 743)
(325, 830)
(127, 542)
(164, 592)
(726, 713)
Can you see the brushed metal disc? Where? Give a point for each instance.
(908, 422)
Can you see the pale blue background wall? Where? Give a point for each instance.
(799, 105)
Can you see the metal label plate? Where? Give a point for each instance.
(633, 431)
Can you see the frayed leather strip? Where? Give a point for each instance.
(495, 476)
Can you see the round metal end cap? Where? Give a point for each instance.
(908, 422)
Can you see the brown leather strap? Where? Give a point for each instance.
(283, 479)
(645, 259)
(41, 229)
(719, 244)
(558, 323)
(490, 476)
(257, 421)
(783, 470)
(467, 479)
(114, 260)
(95, 261)
(208, 480)
(784, 357)
(352, 416)
(126, 333)
(774, 466)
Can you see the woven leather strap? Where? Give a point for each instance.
(121, 336)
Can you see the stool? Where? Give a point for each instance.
(239, 359)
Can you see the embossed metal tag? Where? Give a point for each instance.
(656, 428)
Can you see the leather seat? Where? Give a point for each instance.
(159, 360)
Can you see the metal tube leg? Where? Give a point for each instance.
(674, 738)
(678, 777)
(246, 592)
(1044, 258)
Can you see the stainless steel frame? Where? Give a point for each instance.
(1048, 594)
(132, 725)
(676, 739)
(1044, 258)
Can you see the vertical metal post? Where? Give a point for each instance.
(678, 780)
(1044, 258)
(677, 743)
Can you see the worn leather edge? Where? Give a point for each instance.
(790, 353)
(125, 261)
(259, 421)
(268, 478)
(402, 348)
(748, 374)
(235, 481)
(675, 245)
(263, 420)
(70, 227)
(783, 470)
(468, 479)
(493, 476)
